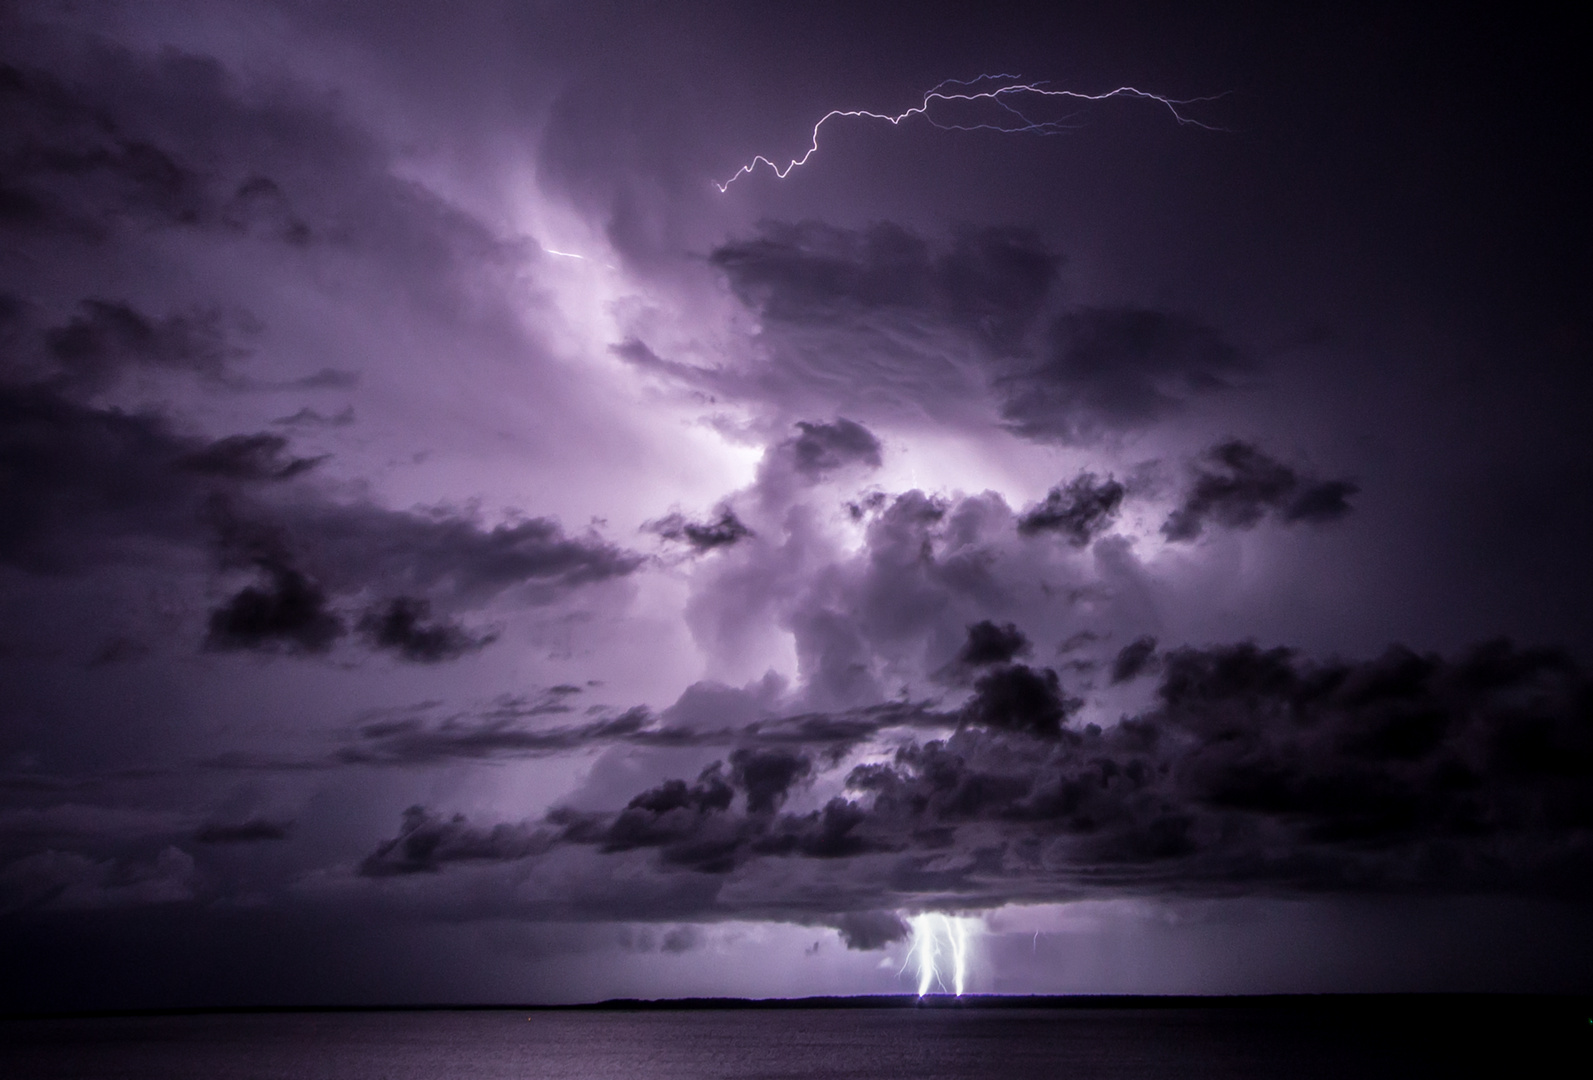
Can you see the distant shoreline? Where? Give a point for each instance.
(1403, 1004)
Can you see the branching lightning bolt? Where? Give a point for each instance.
(935, 934)
(1005, 92)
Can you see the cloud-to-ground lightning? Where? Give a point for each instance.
(936, 936)
(1005, 93)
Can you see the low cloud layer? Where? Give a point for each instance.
(1254, 769)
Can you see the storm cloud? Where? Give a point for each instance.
(1116, 369)
(287, 609)
(701, 536)
(401, 625)
(88, 484)
(991, 644)
(398, 412)
(987, 282)
(1078, 512)
(1253, 769)
(1235, 485)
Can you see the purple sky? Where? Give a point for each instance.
(450, 551)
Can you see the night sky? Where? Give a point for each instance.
(451, 551)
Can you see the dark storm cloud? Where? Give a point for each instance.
(990, 282)
(1255, 770)
(250, 831)
(1016, 697)
(82, 481)
(888, 319)
(513, 728)
(67, 167)
(837, 732)
(818, 449)
(696, 827)
(401, 625)
(308, 417)
(107, 340)
(325, 379)
(260, 206)
(112, 139)
(813, 454)
(248, 457)
(360, 546)
(1236, 485)
(688, 825)
(497, 733)
(636, 352)
(1134, 659)
(427, 841)
(89, 486)
(107, 337)
(1115, 369)
(877, 322)
(766, 776)
(1078, 512)
(79, 822)
(865, 930)
(507, 730)
(681, 939)
(103, 147)
(722, 531)
(286, 610)
(67, 880)
(991, 644)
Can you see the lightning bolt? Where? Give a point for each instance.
(1005, 93)
(935, 934)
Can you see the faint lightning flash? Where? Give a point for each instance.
(570, 255)
(1005, 93)
(936, 935)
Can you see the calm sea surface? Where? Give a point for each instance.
(926, 1044)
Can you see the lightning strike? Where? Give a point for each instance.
(573, 255)
(936, 936)
(1005, 93)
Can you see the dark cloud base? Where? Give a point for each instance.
(1255, 771)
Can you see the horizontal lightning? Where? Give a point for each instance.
(1006, 94)
(571, 255)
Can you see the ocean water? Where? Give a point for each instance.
(796, 1044)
